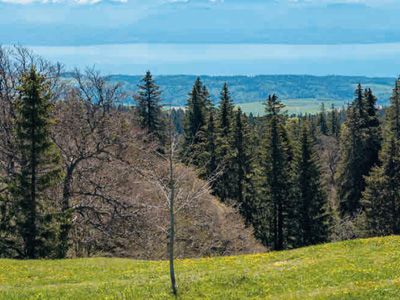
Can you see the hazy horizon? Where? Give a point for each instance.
(229, 59)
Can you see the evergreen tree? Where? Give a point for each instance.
(195, 126)
(39, 168)
(311, 201)
(381, 199)
(207, 99)
(272, 223)
(211, 149)
(334, 122)
(323, 126)
(149, 107)
(244, 189)
(371, 132)
(225, 152)
(360, 144)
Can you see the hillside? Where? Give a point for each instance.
(244, 89)
(359, 269)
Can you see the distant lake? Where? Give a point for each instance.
(228, 59)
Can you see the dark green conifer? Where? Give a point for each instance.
(381, 199)
(334, 122)
(311, 202)
(225, 152)
(360, 143)
(195, 126)
(275, 203)
(211, 150)
(323, 125)
(244, 189)
(39, 168)
(149, 107)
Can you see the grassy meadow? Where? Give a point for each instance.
(359, 269)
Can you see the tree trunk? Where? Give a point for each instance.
(65, 226)
(172, 213)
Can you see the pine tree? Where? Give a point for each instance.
(226, 112)
(372, 133)
(39, 168)
(381, 199)
(149, 107)
(211, 149)
(334, 122)
(310, 215)
(195, 126)
(207, 99)
(223, 185)
(323, 126)
(272, 220)
(244, 189)
(358, 151)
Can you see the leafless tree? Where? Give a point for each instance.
(88, 131)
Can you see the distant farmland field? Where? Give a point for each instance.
(293, 106)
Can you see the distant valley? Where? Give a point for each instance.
(301, 93)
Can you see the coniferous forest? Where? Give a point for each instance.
(83, 174)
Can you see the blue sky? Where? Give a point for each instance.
(220, 37)
(88, 22)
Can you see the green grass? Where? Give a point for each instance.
(360, 269)
(293, 106)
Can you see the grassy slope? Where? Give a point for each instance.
(360, 269)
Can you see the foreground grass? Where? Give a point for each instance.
(360, 269)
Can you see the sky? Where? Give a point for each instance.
(90, 22)
(216, 37)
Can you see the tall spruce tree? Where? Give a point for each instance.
(372, 132)
(358, 152)
(244, 189)
(274, 208)
(39, 168)
(195, 126)
(149, 107)
(225, 152)
(334, 121)
(381, 199)
(211, 149)
(311, 202)
(323, 124)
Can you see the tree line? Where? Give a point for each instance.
(299, 180)
(83, 174)
(76, 164)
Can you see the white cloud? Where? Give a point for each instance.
(81, 2)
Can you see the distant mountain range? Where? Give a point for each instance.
(245, 89)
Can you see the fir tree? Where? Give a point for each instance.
(211, 149)
(359, 149)
(195, 126)
(311, 218)
(334, 122)
(39, 168)
(223, 185)
(371, 132)
(244, 190)
(381, 199)
(323, 126)
(149, 107)
(272, 223)
(226, 112)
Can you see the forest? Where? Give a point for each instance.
(82, 174)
